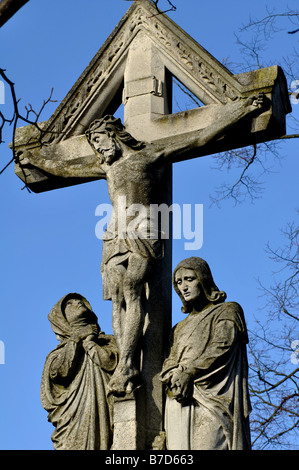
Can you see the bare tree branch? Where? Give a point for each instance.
(268, 24)
(274, 372)
(160, 12)
(13, 121)
(253, 47)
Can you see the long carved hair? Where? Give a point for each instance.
(204, 275)
(114, 128)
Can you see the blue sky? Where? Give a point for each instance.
(48, 243)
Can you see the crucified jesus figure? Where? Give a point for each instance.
(134, 171)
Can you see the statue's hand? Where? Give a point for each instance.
(255, 103)
(259, 101)
(89, 338)
(23, 161)
(26, 159)
(87, 332)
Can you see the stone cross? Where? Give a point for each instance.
(136, 65)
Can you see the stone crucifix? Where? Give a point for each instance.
(133, 171)
(86, 143)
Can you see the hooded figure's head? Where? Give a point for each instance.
(59, 323)
(204, 275)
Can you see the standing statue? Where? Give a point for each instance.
(76, 376)
(134, 172)
(207, 403)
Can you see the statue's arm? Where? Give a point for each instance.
(64, 361)
(229, 115)
(87, 167)
(102, 351)
(215, 357)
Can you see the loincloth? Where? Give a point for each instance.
(120, 249)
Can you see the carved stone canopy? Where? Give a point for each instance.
(135, 66)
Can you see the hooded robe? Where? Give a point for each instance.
(74, 385)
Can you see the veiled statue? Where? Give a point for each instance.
(207, 403)
(76, 376)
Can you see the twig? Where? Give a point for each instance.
(160, 12)
(18, 116)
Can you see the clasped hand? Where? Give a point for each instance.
(181, 385)
(87, 333)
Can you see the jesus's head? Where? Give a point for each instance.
(107, 136)
(106, 146)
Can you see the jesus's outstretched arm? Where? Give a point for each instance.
(84, 167)
(185, 146)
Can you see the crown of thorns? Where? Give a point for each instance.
(113, 127)
(108, 124)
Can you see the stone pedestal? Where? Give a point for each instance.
(132, 429)
(129, 422)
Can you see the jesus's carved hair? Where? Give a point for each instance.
(114, 128)
(204, 275)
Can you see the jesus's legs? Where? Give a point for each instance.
(132, 325)
(116, 273)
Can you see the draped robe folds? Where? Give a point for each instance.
(211, 346)
(74, 388)
(145, 240)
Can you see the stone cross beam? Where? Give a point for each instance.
(136, 65)
(156, 127)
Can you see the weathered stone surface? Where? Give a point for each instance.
(129, 431)
(79, 144)
(132, 249)
(207, 404)
(145, 51)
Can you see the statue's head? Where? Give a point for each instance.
(70, 311)
(107, 135)
(194, 283)
(76, 309)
